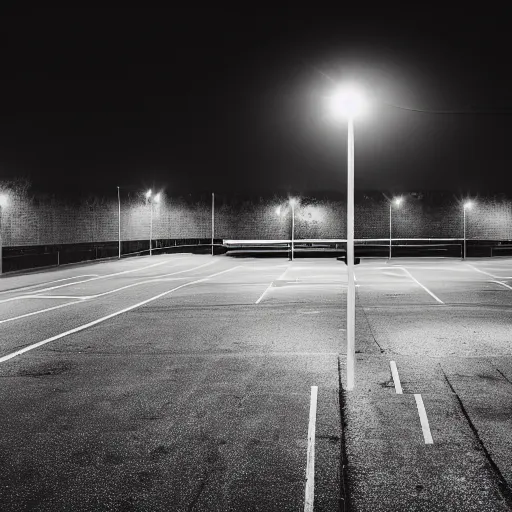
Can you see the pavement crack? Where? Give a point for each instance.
(502, 483)
(503, 375)
(382, 351)
(344, 504)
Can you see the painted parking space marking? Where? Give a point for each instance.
(423, 420)
(270, 285)
(88, 297)
(396, 378)
(488, 273)
(108, 275)
(310, 465)
(32, 286)
(108, 317)
(424, 287)
(502, 284)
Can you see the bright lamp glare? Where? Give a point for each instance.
(4, 200)
(148, 194)
(398, 200)
(348, 102)
(278, 210)
(468, 204)
(157, 198)
(293, 201)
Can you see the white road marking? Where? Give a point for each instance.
(481, 271)
(488, 273)
(108, 275)
(87, 297)
(310, 466)
(424, 420)
(52, 297)
(39, 311)
(503, 284)
(270, 285)
(424, 287)
(396, 378)
(107, 317)
(15, 290)
(263, 294)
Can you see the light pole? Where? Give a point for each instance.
(4, 200)
(119, 217)
(155, 199)
(349, 103)
(148, 196)
(467, 205)
(293, 202)
(213, 218)
(397, 202)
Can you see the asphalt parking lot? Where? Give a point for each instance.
(184, 383)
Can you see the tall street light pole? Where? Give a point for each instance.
(467, 205)
(348, 103)
(351, 290)
(119, 218)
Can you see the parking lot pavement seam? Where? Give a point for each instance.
(362, 308)
(344, 505)
(502, 374)
(503, 486)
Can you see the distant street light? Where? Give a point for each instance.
(119, 217)
(4, 201)
(293, 201)
(155, 199)
(348, 103)
(467, 205)
(213, 219)
(397, 201)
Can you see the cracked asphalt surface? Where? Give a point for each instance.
(159, 384)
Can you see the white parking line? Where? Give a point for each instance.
(108, 275)
(88, 297)
(424, 287)
(423, 420)
(30, 287)
(502, 284)
(39, 311)
(270, 285)
(396, 378)
(310, 466)
(107, 317)
(488, 273)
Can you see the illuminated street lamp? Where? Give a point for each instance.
(467, 205)
(119, 218)
(348, 103)
(397, 201)
(293, 202)
(4, 201)
(156, 199)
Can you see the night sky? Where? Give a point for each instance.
(200, 100)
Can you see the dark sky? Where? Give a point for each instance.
(223, 100)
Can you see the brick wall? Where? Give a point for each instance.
(28, 220)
